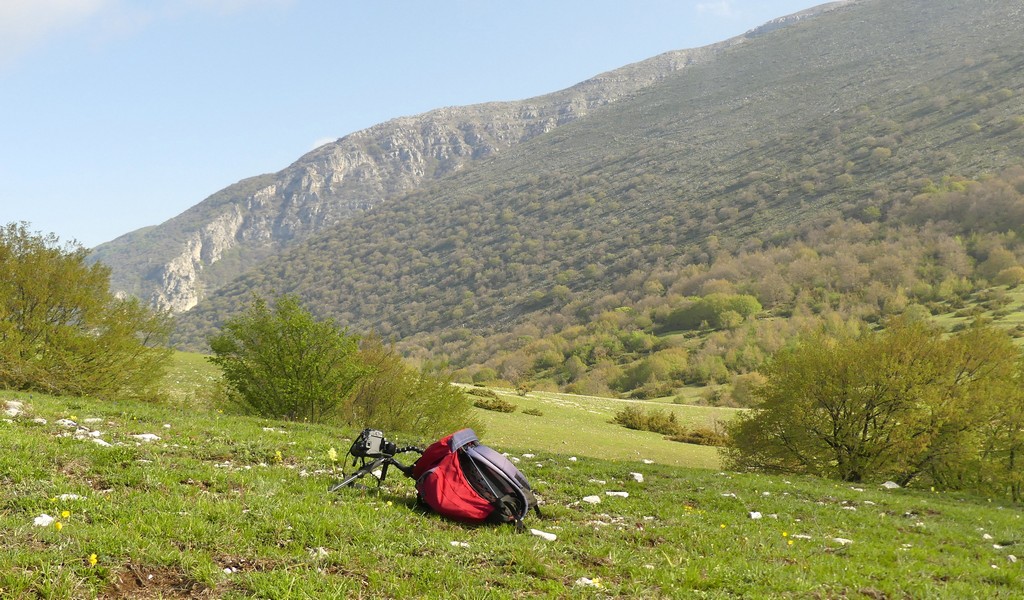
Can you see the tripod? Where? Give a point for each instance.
(382, 462)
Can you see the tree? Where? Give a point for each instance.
(282, 363)
(63, 332)
(392, 396)
(897, 404)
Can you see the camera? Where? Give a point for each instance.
(371, 444)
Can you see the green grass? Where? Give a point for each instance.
(235, 507)
(581, 426)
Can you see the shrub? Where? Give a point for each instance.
(533, 412)
(495, 404)
(703, 436)
(281, 363)
(63, 332)
(481, 392)
(392, 396)
(658, 421)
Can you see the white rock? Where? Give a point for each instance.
(459, 544)
(598, 481)
(543, 534)
(592, 499)
(66, 497)
(755, 515)
(842, 541)
(573, 459)
(67, 423)
(891, 485)
(100, 442)
(39, 420)
(147, 437)
(43, 520)
(639, 477)
(13, 408)
(528, 455)
(1011, 558)
(619, 494)
(587, 582)
(648, 461)
(986, 537)
(167, 425)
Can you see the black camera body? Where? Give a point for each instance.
(371, 444)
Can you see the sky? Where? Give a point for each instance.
(120, 114)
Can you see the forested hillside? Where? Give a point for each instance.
(824, 170)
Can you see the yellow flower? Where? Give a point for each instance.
(278, 457)
(790, 542)
(722, 525)
(58, 525)
(332, 454)
(784, 534)
(65, 514)
(92, 560)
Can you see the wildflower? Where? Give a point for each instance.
(65, 514)
(332, 454)
(722, 525)
(92, 560)
(58, 525)
(278, 457)
(790, 542)
(785, 534)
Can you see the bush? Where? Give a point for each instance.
(658, 421)
(533, 412)
(703, 436)
(495, 404)
(481, 392)
(281, 363)
(63, 332)
(392, 396)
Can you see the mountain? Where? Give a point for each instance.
(174, 265)
(839, 115)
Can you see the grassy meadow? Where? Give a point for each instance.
(190, 502)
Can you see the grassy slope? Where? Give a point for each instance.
(209, 511)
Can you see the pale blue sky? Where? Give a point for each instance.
(118, 114)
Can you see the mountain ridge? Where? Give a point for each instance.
(175, 264)
(829, 117)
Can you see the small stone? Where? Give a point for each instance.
(638, 477)
(543, 534)
(755, 515)
(891, 485)
(619, 494)
(592, 499)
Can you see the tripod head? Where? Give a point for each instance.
(371, 444)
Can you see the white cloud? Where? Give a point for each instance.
(720, 8)
(27, 23)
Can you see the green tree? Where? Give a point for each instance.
(63, 332)
(282, 363)
(392, 396)
(898, 404)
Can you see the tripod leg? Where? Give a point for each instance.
(366, 469)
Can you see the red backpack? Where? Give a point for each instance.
(462, 479)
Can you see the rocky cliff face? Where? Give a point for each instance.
(174, 264)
